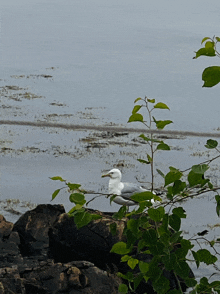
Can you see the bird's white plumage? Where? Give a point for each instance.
(123, 190)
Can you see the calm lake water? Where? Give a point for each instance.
(85, 62)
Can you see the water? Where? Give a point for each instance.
(85, 62)
(108, 53)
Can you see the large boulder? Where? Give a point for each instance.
(92, 242)
(44, 252)
(26, 266)
(33, 227)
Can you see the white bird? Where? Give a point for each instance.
(123, 190)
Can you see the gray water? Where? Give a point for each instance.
(106, 54)
(85, 62)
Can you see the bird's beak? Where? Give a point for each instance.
(106, 175)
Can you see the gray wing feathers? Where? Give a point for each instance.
(130, 189)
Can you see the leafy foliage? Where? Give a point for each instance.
(211, 74)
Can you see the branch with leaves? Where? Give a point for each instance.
(211, 74)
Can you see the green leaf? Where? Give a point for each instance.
(132, 262)
(178, 187)
(161, 285)
(215, 285)
(200, 168)
(211, 76)
(150, 237)
(163, 146)
(175, 291)
(123, 289)
(55, 193)
(136, 108)
(210, 144)
(205, 52)
(149, 158)
(196, 258)
(73, 186)
(137, 99)
(160, 173)
(112, 198)
(128, 276)
(96, 216)
(143, 266)
(150, 140)
(57, 179)
(217, 198)
(151, 100)
(143, 196)
(169, 261)
(121, 213)
(71, 212)
(131, 238)
(175, 221)
(120, 248)
(133, 225)
(82, 218)
(125, 258)
(204, 39)
(179, 211)
(77, 198)
(158, 248)
(209, 44)
(162, 123)
(137, 280)
(195, 179)
(156, 214)
(190, 282)
(205, 256)
(175, 236)
(186, 245)
(161, 105)
(136, 117)
(142, 206)
(182, 269)
(113, 229)
(172, 176)
(143, 161)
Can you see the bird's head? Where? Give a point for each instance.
(113, 174)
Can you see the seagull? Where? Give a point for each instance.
(123, 190)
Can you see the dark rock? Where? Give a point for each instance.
(5, 227)
(92, 242)
(44, 252)
(26, 266)
(68, 278)
(33, 227)
(10, 281)
(9, 245)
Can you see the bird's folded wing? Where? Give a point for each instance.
(131, 189)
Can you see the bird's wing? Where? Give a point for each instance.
(130, 189)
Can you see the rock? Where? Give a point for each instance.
(70, 278)
(33, 227)
(92, 242)
(9, 245)
(44, 252)
(5, 227)
(26, 266)
(10, 281)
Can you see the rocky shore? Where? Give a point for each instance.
(44, 252)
